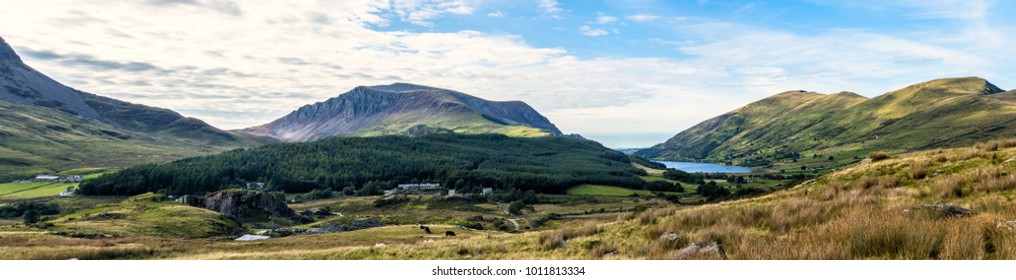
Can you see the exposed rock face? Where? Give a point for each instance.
(400, 109)
(247, 205)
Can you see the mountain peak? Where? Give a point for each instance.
(406, 109)
(7, 53)
(968, 85)
(401, 87)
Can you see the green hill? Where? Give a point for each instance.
(464, 162)
(791, 125)
(36, 140)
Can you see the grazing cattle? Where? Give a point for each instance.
(449, 233)
(425, 229)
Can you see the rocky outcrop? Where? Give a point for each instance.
(711, 250)
(350, 226)
(244, 205)
(945, 210)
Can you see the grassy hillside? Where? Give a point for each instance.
(464, 162)
(879, 210)
(779, 130)
(445, 122)
(147, 215)
(36, 140)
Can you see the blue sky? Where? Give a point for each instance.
(626, 73)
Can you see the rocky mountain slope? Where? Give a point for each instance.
(406, 109)
(20, 84)
(938, 113)
(46, 126)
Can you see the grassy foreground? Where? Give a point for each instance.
(877, 210)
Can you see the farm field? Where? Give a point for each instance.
(31, 190)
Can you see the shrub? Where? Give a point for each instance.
(382, 202)
(320, 194)
(918, 170)
(713, 191)
(31, 217)
(515, 208)
(877, 156)
(664, 186)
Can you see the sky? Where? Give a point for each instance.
(624, 73)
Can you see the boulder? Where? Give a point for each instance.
(189, 200)
(245, 205)
(283, 232)
(1007, 225)
(669, 236)
(712, 250)
(946, 210)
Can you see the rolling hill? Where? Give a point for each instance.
(406, 109)
(47, 127)
(939, 113)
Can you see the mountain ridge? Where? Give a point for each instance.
(398, 108)
(21, 84)
(47, 127)
(780, 127)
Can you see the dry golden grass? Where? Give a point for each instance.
(873, 210)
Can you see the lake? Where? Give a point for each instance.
(700, 167)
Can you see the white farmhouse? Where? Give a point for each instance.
(47, 178)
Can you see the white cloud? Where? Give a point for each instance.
(605, 19)
(238, 71)
(953, 9)
(592, 32)
(496, 14)
(551, 6)
(642, 17)
(420, 12)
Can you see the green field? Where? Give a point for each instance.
(30, 190)
(601, 190)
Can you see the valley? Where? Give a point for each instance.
(406, 171)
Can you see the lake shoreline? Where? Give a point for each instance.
(702, 167)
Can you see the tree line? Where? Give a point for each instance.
(368, 165)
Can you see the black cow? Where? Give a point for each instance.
(449, 233)
(425, 229)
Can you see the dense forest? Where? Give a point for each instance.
(463, 162)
